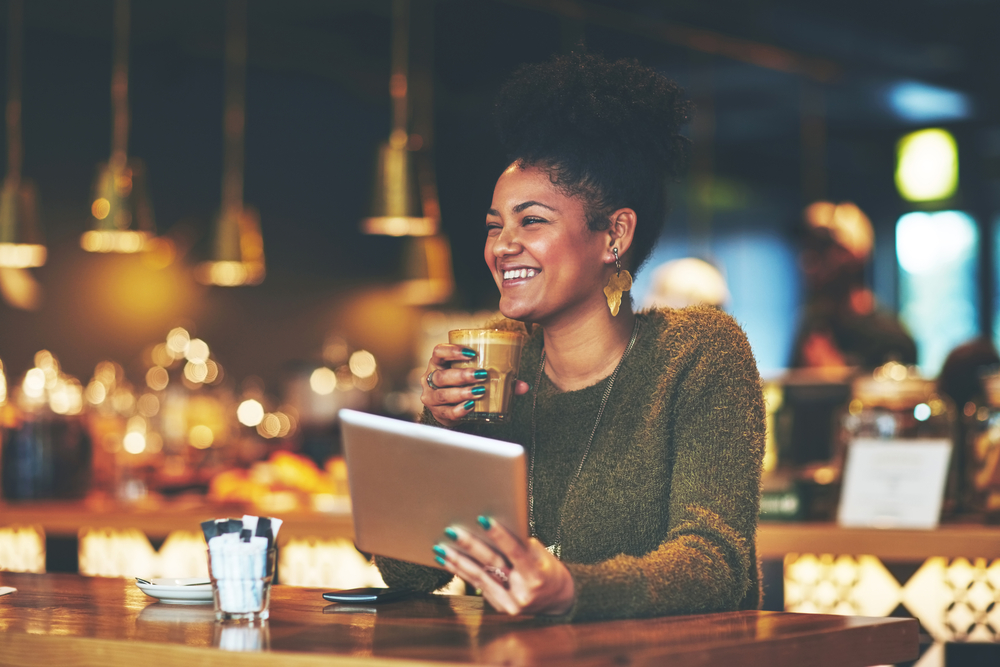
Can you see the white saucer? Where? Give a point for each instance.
(174, 591)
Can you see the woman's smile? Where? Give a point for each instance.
(511, 275)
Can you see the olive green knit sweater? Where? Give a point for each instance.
(662, 519)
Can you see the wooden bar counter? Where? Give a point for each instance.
(65, 619)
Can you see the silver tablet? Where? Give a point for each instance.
(410, 481)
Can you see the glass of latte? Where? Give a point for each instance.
(499, 354)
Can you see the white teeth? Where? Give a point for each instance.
(514, 274)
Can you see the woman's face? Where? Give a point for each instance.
(546, 262)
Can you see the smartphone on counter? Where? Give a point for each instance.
(366, 595)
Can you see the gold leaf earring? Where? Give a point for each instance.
(620, 282)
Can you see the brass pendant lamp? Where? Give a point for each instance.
(399, 205)
(21, 244)
(237, 255)
(122, 215)
(404, 199)
(427, 267)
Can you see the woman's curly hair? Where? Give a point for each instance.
(605, 131)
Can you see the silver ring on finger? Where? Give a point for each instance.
(497, 574)
(430, 380)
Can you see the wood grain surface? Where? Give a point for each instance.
(63, 619)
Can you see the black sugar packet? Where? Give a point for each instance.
(264, 530)
(210, 528)
(215, 527)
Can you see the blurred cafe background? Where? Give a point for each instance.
(223, 221)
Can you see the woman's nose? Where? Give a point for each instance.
(507, 242)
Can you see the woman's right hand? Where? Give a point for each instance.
(457, 389)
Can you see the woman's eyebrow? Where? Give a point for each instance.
(528, 204)
(522, 206)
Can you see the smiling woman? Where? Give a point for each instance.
(540, 250)
(644, 431)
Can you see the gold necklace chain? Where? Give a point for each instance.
(556, 547)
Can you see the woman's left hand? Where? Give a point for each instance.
(515, 577)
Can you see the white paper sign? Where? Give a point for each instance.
(894, 483)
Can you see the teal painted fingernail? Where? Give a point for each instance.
(469, 405)
(450, 532)
(478, 391)
(439, 550)
(482, 374)
(484, 522)
(468, 353)
(440, 561)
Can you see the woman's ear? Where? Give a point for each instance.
(621, 231)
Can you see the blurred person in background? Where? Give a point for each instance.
(644, 432)
(961, 376)
(841, 325)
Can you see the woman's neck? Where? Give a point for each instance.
(583, 352)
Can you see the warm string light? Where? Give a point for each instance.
(353, 371)
(153, 413)
(46, 385)
(360, 372)
(279, 423)
(250, 412)
(323, 381)
(141, 409)
(191, 355)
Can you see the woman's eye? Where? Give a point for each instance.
(492, 228)
(531, 221)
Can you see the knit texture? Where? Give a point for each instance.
(663, 517)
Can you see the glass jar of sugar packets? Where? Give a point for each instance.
(241, 575)
(241, 559)
(896, 446)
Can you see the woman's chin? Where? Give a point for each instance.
(514, 311)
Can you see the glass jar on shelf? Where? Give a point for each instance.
(982, 452)
(895, 405)
(45, 450)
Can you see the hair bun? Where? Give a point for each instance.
(585, 100)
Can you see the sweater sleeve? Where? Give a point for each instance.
(706, 560)
(410, 576)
